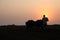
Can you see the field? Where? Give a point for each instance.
(18, 32)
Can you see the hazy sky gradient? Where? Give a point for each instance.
(19, 11)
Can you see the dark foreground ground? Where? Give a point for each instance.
(19, 33)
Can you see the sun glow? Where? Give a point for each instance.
(48, 13)
(45, 12)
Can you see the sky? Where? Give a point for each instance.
(19, 11)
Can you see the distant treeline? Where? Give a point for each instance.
(25, 25)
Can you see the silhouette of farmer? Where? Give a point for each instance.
(45, 20)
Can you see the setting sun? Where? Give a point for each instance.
(48, 13)
(45, 12)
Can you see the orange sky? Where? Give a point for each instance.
(19, 11)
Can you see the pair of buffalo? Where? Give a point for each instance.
(38, 23)
(31, 23)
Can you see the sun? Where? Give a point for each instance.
(45, 12)
(48, 12)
